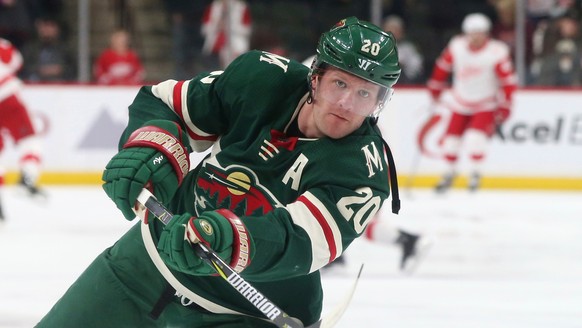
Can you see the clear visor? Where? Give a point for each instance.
(354, 98)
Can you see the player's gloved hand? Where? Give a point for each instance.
(501, 115)
(220, 230)
(154, 155)
(435, 94)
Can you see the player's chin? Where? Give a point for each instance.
(339, 130)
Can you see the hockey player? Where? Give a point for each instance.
(16, 122)
(297, 166)
(483, 83)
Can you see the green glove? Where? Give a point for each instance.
(221, 230)
(154, 156)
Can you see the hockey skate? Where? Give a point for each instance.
(414, 247)
(474, 182)
(2, 218)
(445, 183)
(30, 187)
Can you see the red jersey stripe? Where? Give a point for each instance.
(324, 226)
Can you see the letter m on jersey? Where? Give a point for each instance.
(373, 159)
(275, 60)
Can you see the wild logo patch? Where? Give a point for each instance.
(235, 188)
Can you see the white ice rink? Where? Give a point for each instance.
(499, 259)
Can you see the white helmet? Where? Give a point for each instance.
(476, 23)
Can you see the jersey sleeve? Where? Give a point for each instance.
(146, 107)
(211, 104)
(10, 59)
(197, 105)
(440, 73)
(507, 77)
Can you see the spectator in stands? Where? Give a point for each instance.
(544, 13)
(52, 8)
(47, 58)
(185, 17)
(410, 59)
(119, 64)
(556, 54)
(539, 10)
(562, 68)
(16, 21)
(226, 26)
(504, 28)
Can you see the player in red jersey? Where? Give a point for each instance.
(483, 82)
(16, 122)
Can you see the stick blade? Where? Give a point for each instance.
(335, 315)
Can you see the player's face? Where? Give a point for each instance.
(341, 102)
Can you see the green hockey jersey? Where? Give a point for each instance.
(303, 200)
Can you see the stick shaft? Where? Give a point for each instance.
(257, 299)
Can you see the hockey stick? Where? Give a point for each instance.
(427, 124)
(258, 300)
(270, 310)
(332, 318)
(413, 172)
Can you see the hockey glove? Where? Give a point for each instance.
(220, 230)
(153, 156)
(435, 94)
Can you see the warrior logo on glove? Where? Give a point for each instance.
(164, 142)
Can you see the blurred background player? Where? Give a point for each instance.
(226, 27)
(483, 82)
(16, 122)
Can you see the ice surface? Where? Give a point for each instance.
(498, 259)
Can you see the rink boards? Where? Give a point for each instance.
(539, 147)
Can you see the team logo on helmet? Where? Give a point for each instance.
(340, 24)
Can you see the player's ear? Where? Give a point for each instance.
(314, 81)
